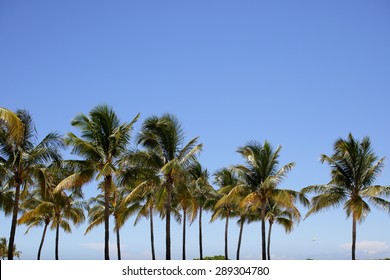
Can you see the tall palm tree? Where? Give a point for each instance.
(203, 193)
(354, 168)
(21, 158)
(103, 141)
(262, 176)
(165, 137)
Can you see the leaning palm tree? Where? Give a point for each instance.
(164, 137)
(354, 168)
(103, 141)
(262, 175)
(21, 158)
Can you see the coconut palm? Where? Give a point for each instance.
(354, 168)
(21, 158)
(103, 141)
(45, 206)
(4, 249)
(187, 204)
(262, 176)
(203, 193)
(282, 216)
(139, 174)
(119, 208)
(227, 204)
(164, 136)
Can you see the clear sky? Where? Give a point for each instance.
(298, 73)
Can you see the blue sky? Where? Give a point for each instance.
(297, 73)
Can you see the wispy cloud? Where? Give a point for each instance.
(368, 247)
(97, 246)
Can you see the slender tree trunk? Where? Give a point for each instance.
(118, 243)
(107, 187)
(353, 238)
(42, 240)
(263, 243)
(226, 237)
(184, 233)
(168, 220)
(152, 232)
(269, 241)
(240, 238)
(57, 238)
(200, 234)
(14, 222)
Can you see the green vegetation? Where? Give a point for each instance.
(213, 258)
(163, 176)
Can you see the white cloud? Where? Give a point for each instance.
(98, 246)
(368, 247)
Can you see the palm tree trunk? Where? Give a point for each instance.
(200, 234)
(118, 243)
(263, 243)
(42, 240)
(226, 237)
(240, 238)
(152, 232)
(57, 238)
(269, 241)
(168, 220)
(14, 222)
(107, 187)
(184, 233)
(353, 238)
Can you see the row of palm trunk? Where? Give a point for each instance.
(165, 177)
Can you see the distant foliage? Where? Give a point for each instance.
(213, 258)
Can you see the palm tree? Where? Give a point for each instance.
(4, 249)
(282, 216)
(103, 141)
(262, 177)
(227, 204)
(187, 203)
(21, 158)
(139, 174)
(203, 193)
(354, 168)
(46, 206)
(119, 208)
(164, 136)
